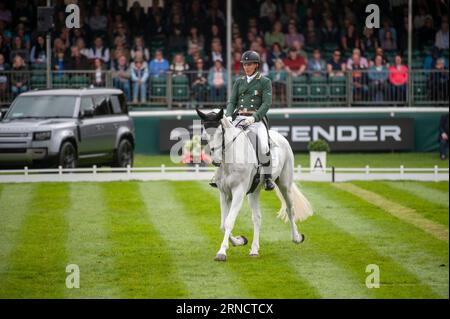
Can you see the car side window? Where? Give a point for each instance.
(102, 105)
(86, 104)
(116, 104)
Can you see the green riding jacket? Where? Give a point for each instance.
(249, 97)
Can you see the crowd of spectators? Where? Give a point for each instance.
(139, 41)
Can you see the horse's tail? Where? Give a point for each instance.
(300, 205)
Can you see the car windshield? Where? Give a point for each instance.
(49, 106)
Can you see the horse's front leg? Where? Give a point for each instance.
(236, 204)
(256, 218)
(225, 203)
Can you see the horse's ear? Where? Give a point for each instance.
(200, 113)
(220, 115)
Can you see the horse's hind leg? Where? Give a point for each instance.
(285, 189)
(256, 218)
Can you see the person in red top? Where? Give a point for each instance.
(295, 64)
(398, 77)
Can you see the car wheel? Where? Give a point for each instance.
(67, 156)
(124, 155)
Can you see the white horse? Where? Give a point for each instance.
(235, 175)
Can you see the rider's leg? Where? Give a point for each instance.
(265, 156)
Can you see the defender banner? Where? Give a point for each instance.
(371, 134)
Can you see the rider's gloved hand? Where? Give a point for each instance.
(229, 118)
(249, 121)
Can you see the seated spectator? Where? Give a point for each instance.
(427, 34)
(238, 45)
(19, 78)
(378, 80)
(217, 80)
(5, 13)
(293, 35)
(237, 63)
(329, 34)
(295, 64)
(430, 61)
(388, 43)
(438, 82)
(276, 53)
(121, 76)
(120, 48)
(137, 19)
(193, 55)
(4, 48)
(316, 66)
(139, 77)
(216, 51)
(82, 47)
(387, 28)
(158, 66)
(18, 48)
(419, 19)
(298, 46)
(278, 75)
(336, 65)
(312, 34)
(177, 41)
(199, 81)
(380, 52)
(356, 57)
(98, 76)
(77, 61)
(398, 77)
(99, 51)
(38, 52)
(178, 66)
(3, 77)
(276, 35)
(98, 22)
(443, 136)
(195, 38)
(441, 41)
(350, 38)
(60, 62)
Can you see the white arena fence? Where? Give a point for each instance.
(197, 173)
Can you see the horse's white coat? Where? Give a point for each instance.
(234, 178)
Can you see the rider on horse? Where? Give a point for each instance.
(250, 100)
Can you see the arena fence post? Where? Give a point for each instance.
(333, 172)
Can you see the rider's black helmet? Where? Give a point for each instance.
(250, 56)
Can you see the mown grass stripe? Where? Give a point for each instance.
(269, 276)
(420, 190)
(14, 200)
(439, 186)
(315, 259)
(38, 263)
(190, 250)
(406, 214)
(87, 244)
(143, 265)
(421, 261)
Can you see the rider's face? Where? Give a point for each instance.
(250, 68)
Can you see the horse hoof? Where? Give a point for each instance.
(299, 240)
(244, 239)
(254, 255)
(221, 257)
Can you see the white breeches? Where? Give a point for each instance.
(258, 129)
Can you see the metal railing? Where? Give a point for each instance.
(190, 89)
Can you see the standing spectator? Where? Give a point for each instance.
(378, 77)
(99, 51)
(438, 82)
(139, 77)
(98, 22)
(19, 78)
(179, 66)
(336, 65)
(276, 35)
(388, 43)
(398, 77)
(77, 60)
(295, 64)
(121, 76)
(199, 82)
(441, 41)
(278, 75)
(38, 52)
(139, 45)
(158, 66)
(293, 35)
(217, 80)
(317, 66)
(443, 136)
(275, 54)
(98, 76)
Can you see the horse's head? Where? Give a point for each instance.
(210, 120)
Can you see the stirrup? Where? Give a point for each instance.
(213, 184)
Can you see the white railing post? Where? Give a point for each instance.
(436, 171)
(402, 171)
(367, 169)
(196, 168)
(25, 170)
(94, 169)
(128, 169)
(59, 169)
(163, 168)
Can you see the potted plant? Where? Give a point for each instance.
(318, 150)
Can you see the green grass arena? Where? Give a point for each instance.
(158, 240)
